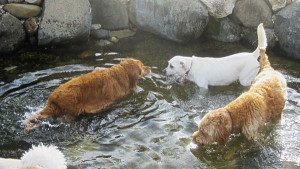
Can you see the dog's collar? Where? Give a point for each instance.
(187, 73)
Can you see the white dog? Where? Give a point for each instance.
(219, 71)
(39, 157)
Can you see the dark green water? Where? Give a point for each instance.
(152, 126)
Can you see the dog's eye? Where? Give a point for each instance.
(171, 66)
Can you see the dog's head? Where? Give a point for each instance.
(214, 126)
(135, 69)
(176, 66)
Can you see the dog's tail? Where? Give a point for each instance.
(45, 157)
(264, 61)
(262, 40)
(35, 120)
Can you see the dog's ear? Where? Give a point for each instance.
(222, 136)
(224, 127)
(183, 65)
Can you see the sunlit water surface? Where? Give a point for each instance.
(152, 126)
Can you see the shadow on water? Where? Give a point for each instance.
(152, 126)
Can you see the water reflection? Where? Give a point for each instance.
(152, 126)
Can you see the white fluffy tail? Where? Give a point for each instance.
(262, 40)
(47, 157)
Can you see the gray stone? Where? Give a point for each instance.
(223, 30)
(287, 29)
(277, 4)
(250, 13)
(12, 34)
(219, 8)
(66, 24)
(100, 34)
(23, 11)
(111, 14)
(95, 27)
(176, 20)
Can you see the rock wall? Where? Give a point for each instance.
(68, 21)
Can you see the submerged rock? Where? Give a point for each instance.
(23, 11)
(3, 2)
(100, 34)
(12, 34)
(68, 23)
(176, 20)
(287, 29)
(122, 33)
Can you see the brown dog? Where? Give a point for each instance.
(249, 112)
(92, 92)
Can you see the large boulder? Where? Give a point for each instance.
(287, 29)
(65, 23)
(111, 14)
(223, 30)
(22, 11)
(12, 34)
(219, 8)
(250, 13)
(176, 20)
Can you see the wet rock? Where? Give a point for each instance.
(15, 1)
(12, 34)
(100, 34)
(95, 27)
(219, 8)
(34, 2)
(122, 33)
(31, 25)
(114, 39)
(66, 24)
(103, 43)
(23, 11)
(112, 14)
(251, 13)
(287, 29)
(223, 30)
(277, 4)
(175, 20)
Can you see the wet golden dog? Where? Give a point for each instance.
(249, 112)
(92, 92)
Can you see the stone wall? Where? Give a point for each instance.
(60, 22)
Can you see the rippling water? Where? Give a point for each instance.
(152, 126)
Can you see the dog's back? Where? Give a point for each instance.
(263, 102)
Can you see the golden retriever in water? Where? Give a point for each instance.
(250, 111)
(92, 92)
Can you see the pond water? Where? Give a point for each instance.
(152, 126)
